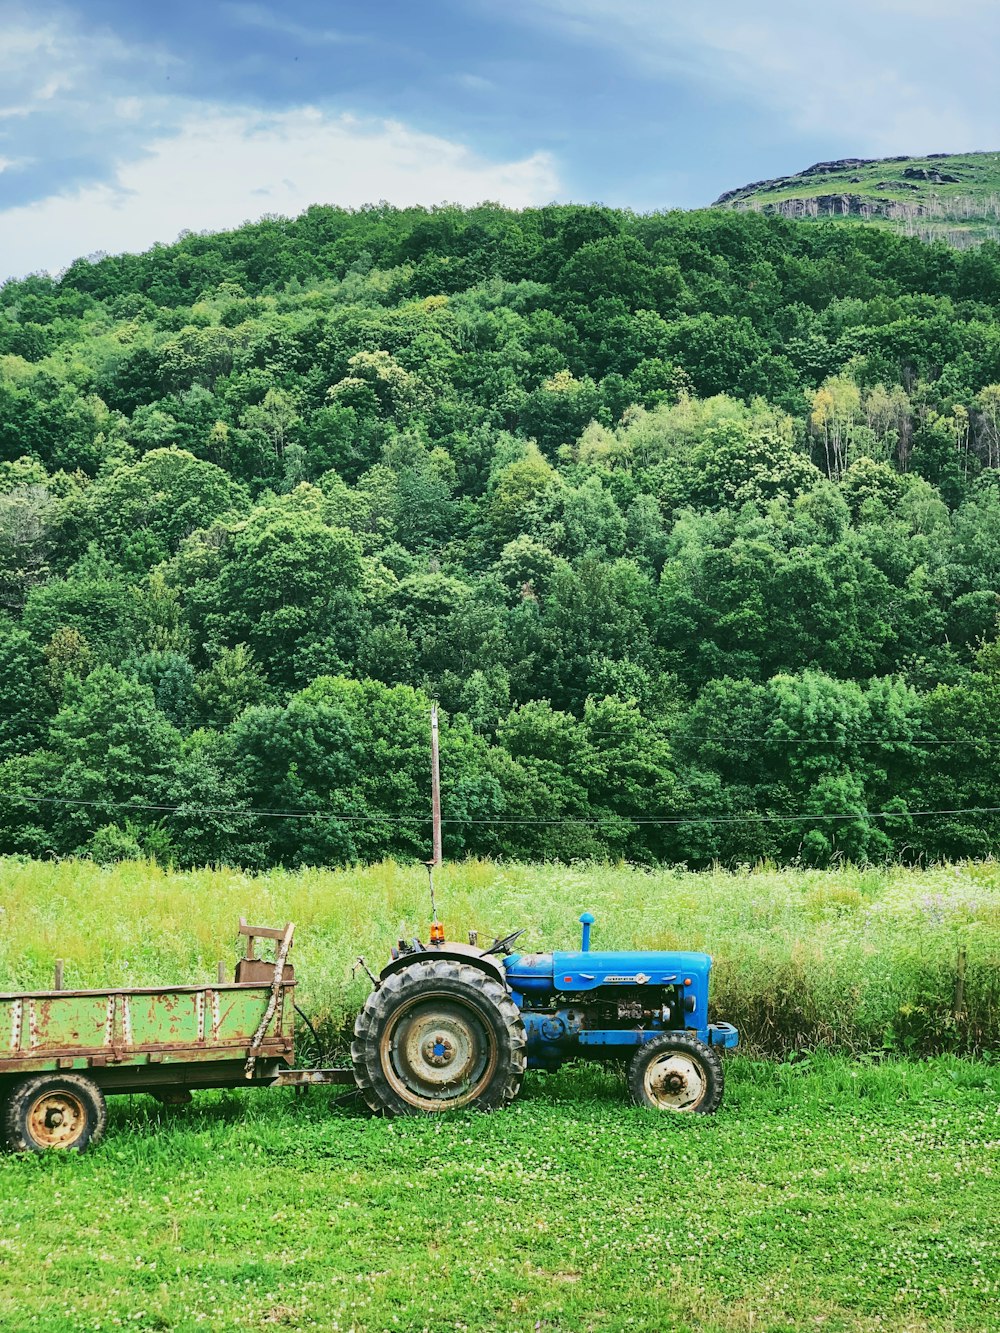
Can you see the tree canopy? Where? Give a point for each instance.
(690, 521)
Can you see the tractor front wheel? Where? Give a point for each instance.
(438, 1036)
(676, 1072)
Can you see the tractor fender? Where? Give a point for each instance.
(456, 953)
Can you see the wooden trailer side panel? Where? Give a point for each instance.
(94, 1029)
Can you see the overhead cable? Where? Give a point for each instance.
(377, 817)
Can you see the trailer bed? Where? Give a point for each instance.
(164, 1039)
(141, 1034)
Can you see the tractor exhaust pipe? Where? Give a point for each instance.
(586, 920)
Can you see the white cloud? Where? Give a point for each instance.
(259, 16)
(44, 57)
(223, 167)
(74, 101)
(475, 83)
(880, 76)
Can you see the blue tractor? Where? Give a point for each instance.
(451, 1025)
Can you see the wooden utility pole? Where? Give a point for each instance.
(437, 930)
(435, 787)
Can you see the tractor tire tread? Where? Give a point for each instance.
(691, 1045)
(16, 1136)
(481, 990)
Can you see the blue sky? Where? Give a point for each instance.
(123, 122)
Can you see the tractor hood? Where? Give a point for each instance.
(545, 973)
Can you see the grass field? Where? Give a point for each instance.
(852, 1191)
(851, 959)
(828, 1194)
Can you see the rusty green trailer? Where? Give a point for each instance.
(61, 1051)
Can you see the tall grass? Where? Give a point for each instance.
(851, 959)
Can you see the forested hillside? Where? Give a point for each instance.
(691, 522)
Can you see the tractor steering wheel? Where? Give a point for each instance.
(503, 946)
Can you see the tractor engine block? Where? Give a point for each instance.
(599, 1004)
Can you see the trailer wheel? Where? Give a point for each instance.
(676, 1072)
(437, 1036)
(54, 1111)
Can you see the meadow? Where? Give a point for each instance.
(849, 1189)
(827, 1194)
(849, 960)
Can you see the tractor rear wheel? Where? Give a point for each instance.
(438, 1035)
(676, 1072)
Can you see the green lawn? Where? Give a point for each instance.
(828, 1195)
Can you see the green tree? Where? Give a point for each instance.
(557, 411)
(144, 511)
(170, 676)
(287, 578)
(210, 822)
(110, 755)
(25, 541)
(26, 702)
(233, 683)
(518, 495)
(351, 758)
(94, 600)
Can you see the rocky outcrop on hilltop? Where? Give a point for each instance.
(916, 196)
(839, 167)
(923, 219)
(931, 174)
(787, 182)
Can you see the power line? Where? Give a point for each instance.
(154, 806)
(723, 738)
(845, 740)
(741, 819)
(375, 817)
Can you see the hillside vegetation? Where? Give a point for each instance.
(690, 521)
(952, 197)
